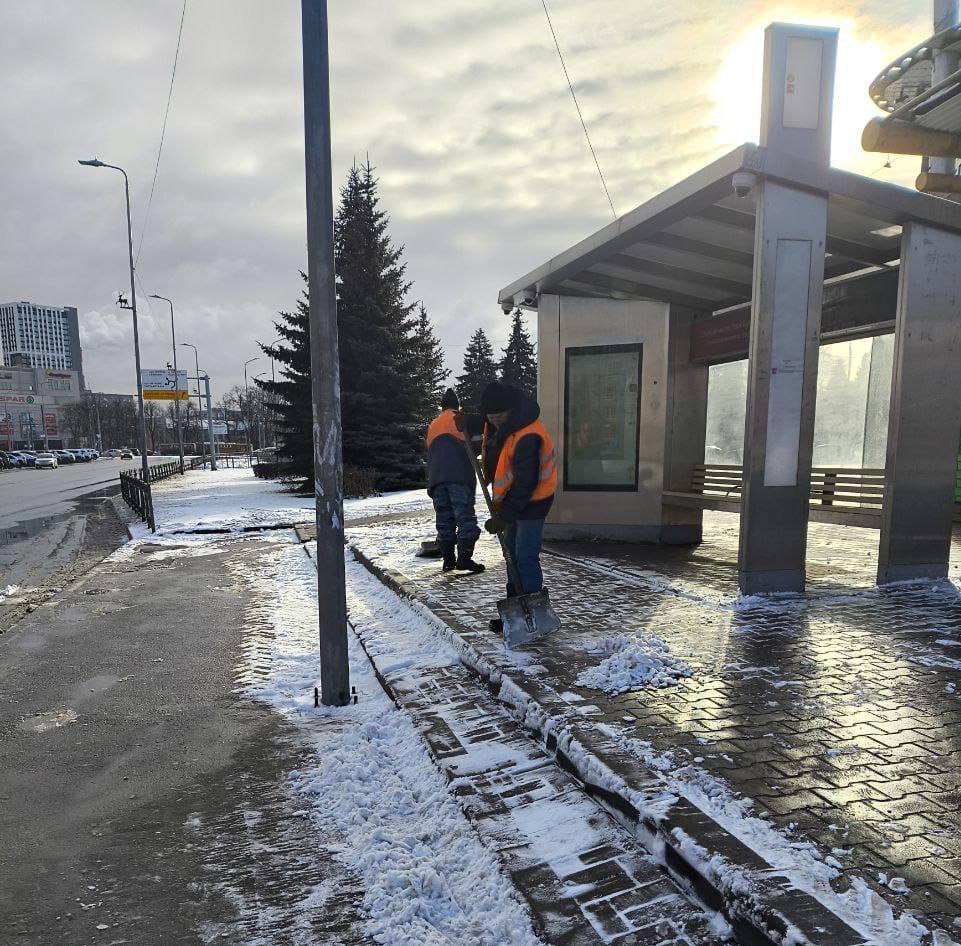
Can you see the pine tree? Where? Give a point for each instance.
(518, 367)
(290, 395)
(428, 371)
(479, 370)
(379, 402)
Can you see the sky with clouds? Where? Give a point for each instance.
(460, 105)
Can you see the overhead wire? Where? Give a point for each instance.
(580, 114)
(163, 130)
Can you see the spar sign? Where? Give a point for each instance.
(164, 384)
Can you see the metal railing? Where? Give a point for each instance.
(138, 495)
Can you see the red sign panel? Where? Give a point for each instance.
(721, 337)
(50, 424)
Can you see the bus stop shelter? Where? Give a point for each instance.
(769, 228)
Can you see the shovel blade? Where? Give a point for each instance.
(527, 618)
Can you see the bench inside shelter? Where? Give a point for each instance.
(844, 496)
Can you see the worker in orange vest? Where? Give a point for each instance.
(520, 463)
(451, 485)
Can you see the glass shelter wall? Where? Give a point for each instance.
(851, 416)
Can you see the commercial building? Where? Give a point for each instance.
(32, 402)
(40, 336)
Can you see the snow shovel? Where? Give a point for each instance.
(525, 618)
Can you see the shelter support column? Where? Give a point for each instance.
(782, 384)
(925, 416)
(685, 426)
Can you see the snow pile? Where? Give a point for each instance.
(372, 789)
(633, 661)
(234, 499)
(8, 590)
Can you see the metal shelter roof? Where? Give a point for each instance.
(693, 244)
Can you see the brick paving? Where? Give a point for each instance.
(835, 712)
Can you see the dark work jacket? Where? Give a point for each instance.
(527, 462)
(447, 461)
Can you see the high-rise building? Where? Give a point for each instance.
(40, 336)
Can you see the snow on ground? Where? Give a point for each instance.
(428, 879)
(633, 661)
(234, 499)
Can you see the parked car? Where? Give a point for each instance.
(6, 462)
(30, 456)
(81, 455)
(19, 459)
(64, 456)
(126, 455)
(46, 461)
(111, 454)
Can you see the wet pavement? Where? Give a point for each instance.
(837, 712)
(144, 797)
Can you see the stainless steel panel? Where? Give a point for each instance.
(774, 518)
(925, 415)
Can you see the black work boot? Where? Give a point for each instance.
(465, 563)
(450, 559)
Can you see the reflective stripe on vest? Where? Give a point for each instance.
(547, 474)
(444, 424)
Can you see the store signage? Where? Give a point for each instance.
(18, 399)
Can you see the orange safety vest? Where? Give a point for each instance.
(504, 474)
(443, 424)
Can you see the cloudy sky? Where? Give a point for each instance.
(461, 105)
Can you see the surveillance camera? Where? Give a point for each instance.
(527, 297)
(743, 183)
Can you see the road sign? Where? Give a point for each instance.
(163, 384)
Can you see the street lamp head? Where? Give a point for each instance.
(92, 163)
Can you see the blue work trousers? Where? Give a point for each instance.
(454, 511)
(523, 538)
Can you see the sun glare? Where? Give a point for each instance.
(736, 90)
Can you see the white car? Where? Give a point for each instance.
(46, 461)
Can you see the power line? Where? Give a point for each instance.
(163, 130)
(580, 115)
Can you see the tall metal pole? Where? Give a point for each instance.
(97, 163)
(324, 360)
(200, 403)
(173, 341)
(210, 424)
(250, 415)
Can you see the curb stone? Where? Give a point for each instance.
(763, 906)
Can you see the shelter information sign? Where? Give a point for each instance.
(163, 384)
(602, 417)
(802, 82)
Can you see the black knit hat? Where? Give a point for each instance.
(497, 397)
(449, 401)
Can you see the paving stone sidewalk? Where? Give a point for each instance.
(836, 712)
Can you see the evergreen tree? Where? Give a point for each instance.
(429, 373)
(518, 367)
(379, 402)
(290, 395)
(479, 370)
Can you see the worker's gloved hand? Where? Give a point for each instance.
(495, 525)
(460, 421)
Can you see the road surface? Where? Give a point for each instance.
(55, 525)
(27, 494)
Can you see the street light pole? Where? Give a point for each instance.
(200, 403)
(97, 163)
(324, 360)
(249, 361)
(173, 342)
